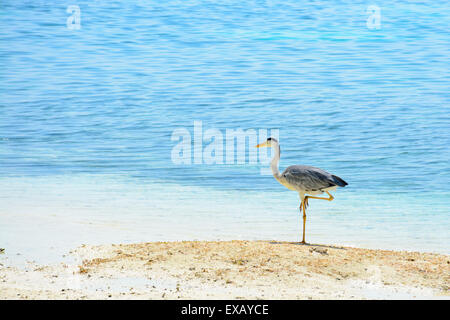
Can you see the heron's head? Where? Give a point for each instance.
(270, 142)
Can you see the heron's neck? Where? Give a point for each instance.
(275, 161)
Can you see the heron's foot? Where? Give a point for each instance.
(303, 242)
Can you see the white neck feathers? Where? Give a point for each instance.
(275, 161)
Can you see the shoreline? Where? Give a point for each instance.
(231, 270)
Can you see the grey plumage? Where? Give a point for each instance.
(310, 178)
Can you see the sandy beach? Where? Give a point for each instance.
(231, 270)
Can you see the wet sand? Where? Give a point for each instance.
(231, 270)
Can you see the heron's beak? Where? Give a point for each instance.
(261, 145)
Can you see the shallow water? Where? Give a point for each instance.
(87, 118)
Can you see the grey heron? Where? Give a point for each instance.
(303, 179)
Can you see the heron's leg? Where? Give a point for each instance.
(303, 205)
(312, 197)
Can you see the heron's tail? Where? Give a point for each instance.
(339, 181)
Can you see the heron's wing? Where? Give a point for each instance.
(310, 178)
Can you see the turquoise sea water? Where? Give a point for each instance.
(87, 116)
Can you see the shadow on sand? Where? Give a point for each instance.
(307, 244)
